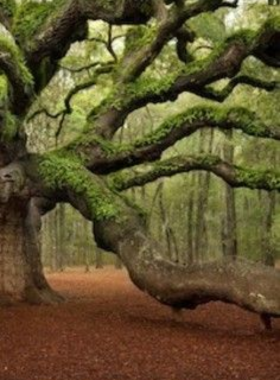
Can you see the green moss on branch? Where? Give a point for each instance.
(8, 7)
(31, 16)
(66, 173)
(223, 117)
(15, 58)
(258, 179)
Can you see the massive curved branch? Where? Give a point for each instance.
(119, 228)
(103, 157)
(234, 175)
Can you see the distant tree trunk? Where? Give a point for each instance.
(190, 253)
(61, 237)
(118, 263)
(273, 2)
(171, 243)
(229, 223)
(86, 246)
(52, 239)
(268, 253)
(98, 259)
(74, 239)
(201, 239)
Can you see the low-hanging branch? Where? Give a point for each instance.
(234, 175)
(119, 229)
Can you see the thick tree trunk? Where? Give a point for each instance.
(21, 273)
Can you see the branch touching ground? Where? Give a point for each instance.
(119, 228)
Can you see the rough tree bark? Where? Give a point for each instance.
(254, 287)
(21, 272)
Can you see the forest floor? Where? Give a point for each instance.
(109, 330)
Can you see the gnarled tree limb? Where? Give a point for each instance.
(118, 228)
(223, 62)
(234, 175)
(104, 157)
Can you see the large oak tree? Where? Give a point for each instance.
(86, 171)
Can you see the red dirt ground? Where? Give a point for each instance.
(108, 330)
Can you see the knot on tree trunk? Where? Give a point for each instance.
(12, 181)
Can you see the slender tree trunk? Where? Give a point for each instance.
(190, 253)
(61, 237)
(229, 233)
(168, 233)
(98, 259)
(267, 248)
(86, 246)
(202, 203)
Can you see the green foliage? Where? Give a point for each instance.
(31, 16)
(139, 36)
(8, 6)
(3, 89)
(7, 45)
(273, 23)
(61, 172)
(209, 27)
(146, 85)
(244, 37)
(254, 178)
(10, 127)
(90, 140)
